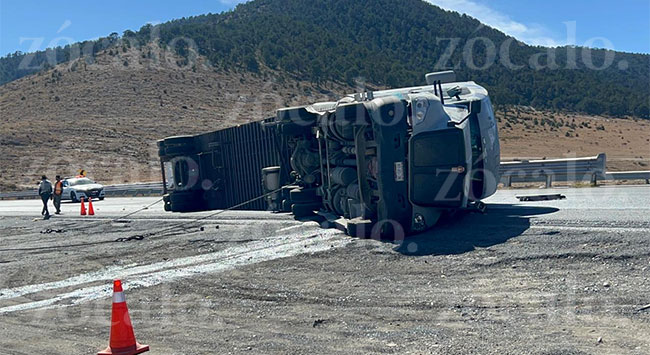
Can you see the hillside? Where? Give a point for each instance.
(106, 117)
(387, 43)
(103, 112)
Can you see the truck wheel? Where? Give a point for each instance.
(185, 202)
(304, 209)
(304, 195)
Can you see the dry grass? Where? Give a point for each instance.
(106, 116)
(529, 134)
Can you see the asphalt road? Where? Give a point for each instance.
(550, 277)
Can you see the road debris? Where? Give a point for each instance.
(134, 237)
(49, 230)
(541, 197)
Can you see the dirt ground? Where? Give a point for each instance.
(564, 277)
(526, 133)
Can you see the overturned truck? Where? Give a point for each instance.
(387, 162)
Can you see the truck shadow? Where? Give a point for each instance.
(470, 231)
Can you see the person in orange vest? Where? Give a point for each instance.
(58, 193)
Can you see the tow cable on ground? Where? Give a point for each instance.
(113, 220)
(182, 224)
(139, 237)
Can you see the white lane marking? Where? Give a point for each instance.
(228, 259)
(592, 229)
(295, 227)
(132, 269)
(103, 274)
(216, 220)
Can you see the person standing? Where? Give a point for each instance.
(58, 192)
(45, 191)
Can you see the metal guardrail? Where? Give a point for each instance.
(577, 169)
(628, 175)
(138, 189)
(574, 169)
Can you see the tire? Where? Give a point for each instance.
(184, 207)
(185, 202)
(304, 209)
(73, 197)
(101, 199)
(304, 195)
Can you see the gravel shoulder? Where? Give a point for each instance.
(558, 277)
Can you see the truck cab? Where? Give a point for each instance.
(395, 160)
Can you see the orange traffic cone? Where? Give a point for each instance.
(83, 207)
(91, 211)
(121, 340)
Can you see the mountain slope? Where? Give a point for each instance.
(106, 117)
(104, 111)
(394, 43)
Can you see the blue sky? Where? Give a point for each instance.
(624, 25)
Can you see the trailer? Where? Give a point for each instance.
(385, 163)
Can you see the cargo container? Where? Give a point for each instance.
(387, 162)
(219, 169)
